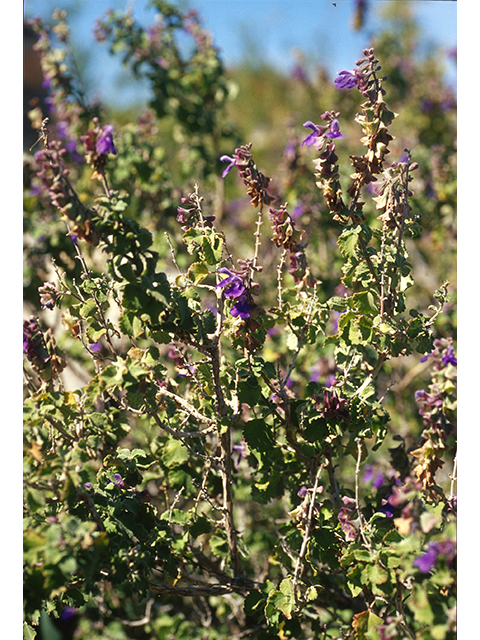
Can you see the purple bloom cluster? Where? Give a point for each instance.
(118, 481)
(346, 80)
(436, 403)
(104, 143)
(372, 475)
(333, 406)
(331, 131)
(34, 346)
(436, 550)
(98, 145)
(234, 288)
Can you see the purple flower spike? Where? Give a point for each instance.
(334, 131)
(316, 132)
(104, 143)
(346, 80)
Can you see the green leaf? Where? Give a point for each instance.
(420, 605)
(200, 527)
(174, 453)
(130, 324)
(348, 242)
(249, 391)
(354, 580)
(283, 600)
(364, 302)
(260, 440)
(29, 632)
(197, 272)
(219, 546)
(311, 594)
(89, 308)
(377, 576)
(365, 625)
(212, 248)
(95, 331)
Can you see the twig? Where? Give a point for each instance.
(257, 235)
(306, 536)
(279, 278)
(357, 498)
(174, 432)
(188, 408)
(59, 428)
(174, 503)
(172, 251)
(453, 478)
(331, 475)
(198, 590)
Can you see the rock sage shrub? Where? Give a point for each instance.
(223, 464)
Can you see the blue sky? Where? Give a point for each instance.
(269, 29)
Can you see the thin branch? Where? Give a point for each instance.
(257, 235)
(453, 478)
(279, 278)
(174, 432)
(59, 428)
(188, 408)
(306, 536)
(357, 498)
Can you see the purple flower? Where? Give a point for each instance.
(118, 480)
(229, 166)
(104, 143)
(96, 347)
(88, 486)
(425, 562)
(234, 286)
(241, 308)
(426, 357)
(376, 477)
(387, 507)
(449, 357)
(68, 612)
(302, 492)
(334, 131)
(316, 132)
(241, 451)
(346, 80)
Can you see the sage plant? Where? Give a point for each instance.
(225, 464)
